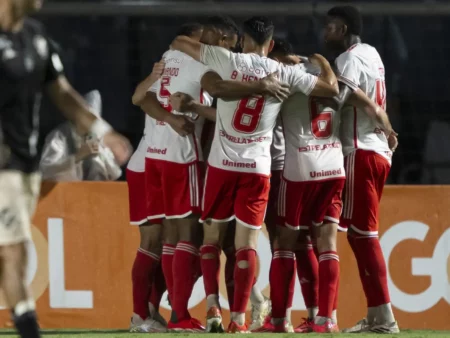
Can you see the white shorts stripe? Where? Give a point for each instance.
(349, 187)
(204, 189)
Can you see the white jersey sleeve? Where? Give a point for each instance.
(299, 79)
(217, 58)
(349, 70)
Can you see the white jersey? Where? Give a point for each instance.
(244, 128)
(181, 74)
(313, 148)
(277, 149)
(137, 160)
(361, 67)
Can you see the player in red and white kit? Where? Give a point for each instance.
(148, 280)
(366, 145)
(237, 180)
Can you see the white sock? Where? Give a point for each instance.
(23, 307)
(256, 297)
(384, 314)
(212, 300)
(371, 314)
(319, 320)
(334, 316)
(312, 312)
(237, 317)
(288, 315)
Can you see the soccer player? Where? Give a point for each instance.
(146, 282)
(366, 145)
(173, 162)
(237, 180)
(29, 64)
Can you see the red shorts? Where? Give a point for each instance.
(137, 199)
(366, 172)
(302, 204)
(173, 189)
(230, 194)
(272, 205)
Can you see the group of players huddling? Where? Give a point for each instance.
(311, 147)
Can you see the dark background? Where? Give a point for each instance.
(113, 53)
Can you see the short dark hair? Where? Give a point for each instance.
(189, 28)
(281, 47)
(351, 16)
(259, 28)
(224, 23)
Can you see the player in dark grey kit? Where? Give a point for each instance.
(28, 65)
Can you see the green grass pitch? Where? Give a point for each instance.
(124, 334)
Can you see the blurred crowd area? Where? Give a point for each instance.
(113, 53)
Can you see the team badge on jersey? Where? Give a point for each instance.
(41, 46)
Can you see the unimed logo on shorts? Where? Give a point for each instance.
(435, 267)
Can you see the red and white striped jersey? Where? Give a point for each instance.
(244, 128)
(361, 67)
(311, 129)
(277, 149)
(181, 74)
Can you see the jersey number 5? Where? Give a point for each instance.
(321, 121)
(248, 114)
(164, 93)
(381, 94)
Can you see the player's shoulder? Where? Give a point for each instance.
(357, 52)
(34, 26)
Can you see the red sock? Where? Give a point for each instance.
(243, 278)
(308, 276)
(291, 290)
(158, 288)
(229, 276)
(210, 268)
(184, 271)
(328, 280)
(373, 266)
(166, 263)
(365, 281)
(282, 270)
(144, 267)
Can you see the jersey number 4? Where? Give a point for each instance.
(248, 114)
(164, 93)
(321, 121)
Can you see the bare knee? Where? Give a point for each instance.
(326, 236)
(188, 228)
(14, 255)
(170, 232)
(246, 237)
(214, 233)
(151, 238)
(285, 238)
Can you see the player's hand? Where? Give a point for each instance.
(273, 87)
(393, 141)
(119, 145)
(90, 148)
(181, 102)
(158, 69)
(181, 124)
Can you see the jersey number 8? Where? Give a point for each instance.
(321, 121)
(248, 114)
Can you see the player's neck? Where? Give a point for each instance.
(351, 40)
(11, 20)
(258, 50)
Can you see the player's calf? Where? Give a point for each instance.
(326, 236)
(13, 267)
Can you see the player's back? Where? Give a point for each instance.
(181, 74)
(311, 129)
(244, 128)
(361, 67)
